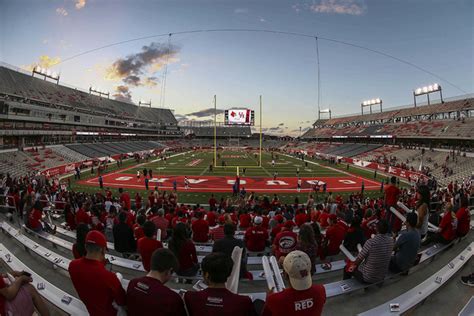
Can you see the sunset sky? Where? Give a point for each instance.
(239, 66)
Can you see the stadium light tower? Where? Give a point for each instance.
(99, 92)
(324, 111)
(45, 73)
(144, 103)
(427, 90)
(369, 103)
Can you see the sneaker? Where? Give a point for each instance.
(468, 280)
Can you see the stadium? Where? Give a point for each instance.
(235, 188)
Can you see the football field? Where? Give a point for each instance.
(279, 173)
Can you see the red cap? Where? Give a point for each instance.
(279, 218)
(96, 237)
(221, 219)
(332, 217)
(289, 224)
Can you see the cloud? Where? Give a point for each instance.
(241, 10)
(133, 68)
(123, 93)
(281, 124)
(262, 20)
(350, 7)
(205, 112)
(80, 4)
(44, 62)
(61, 11)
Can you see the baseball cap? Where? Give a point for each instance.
(298, 267)
(96, 237)
(258, 220)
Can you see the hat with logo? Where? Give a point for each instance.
(298, 267)
(96, 237)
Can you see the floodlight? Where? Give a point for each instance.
(427, 90)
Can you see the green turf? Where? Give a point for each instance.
(285, 166)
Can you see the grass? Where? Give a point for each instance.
(286, 166)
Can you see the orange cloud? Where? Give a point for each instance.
(44, 62)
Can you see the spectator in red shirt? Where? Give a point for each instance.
(125, 199)
(463, 217)
(212, 202)
(148, 244)
(79, 247)
(200, 228)
(161, 223)
(218, 232)
(70, 217)
(301, 218)
(279, 225)
(97, 288)
(216, 299)
(35, 222)
(447, 228)
(392, 193)
(20, 297)
(184, 250)
(245, 220)
(285, 241)
(148, 295)
(302, 298)
(334, 237)
(138, 201)
(82, 216)
(138, 227)
(256, 237)
(211, 218)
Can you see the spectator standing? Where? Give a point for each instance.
(124, 240)
(97, 288)
(79, 247)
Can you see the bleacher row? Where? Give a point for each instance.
(19, 84)
(107, 149)
(34, 243)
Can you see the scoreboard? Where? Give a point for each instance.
(239, 117)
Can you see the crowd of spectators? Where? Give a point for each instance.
(297, 234)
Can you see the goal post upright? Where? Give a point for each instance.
(215, 131)
(260, 155)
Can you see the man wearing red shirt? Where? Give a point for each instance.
(211, 218)
(302, 298)
(334, 236)
(256, 237)
(245, 220)
(392, 193)
(34, 220)
(285, 241)
(125, 199)
(301, 218)
(200, 228)
(463, 217)
(82, 216)
(148, 295)
(212, 202)
(218, 232)
(148, 244)
(161, 223)
(97, 288)
(216, 300)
